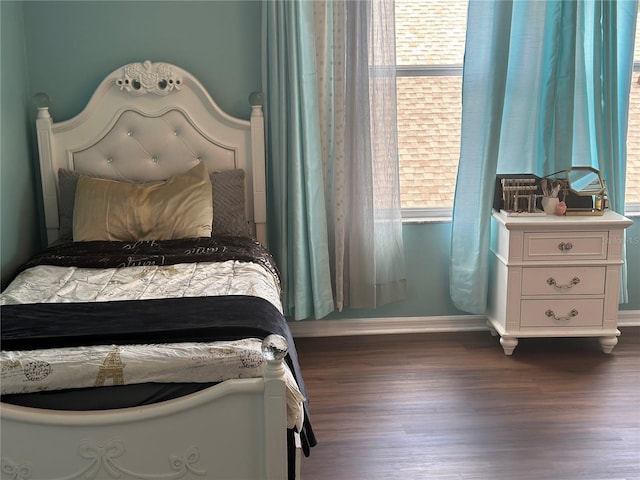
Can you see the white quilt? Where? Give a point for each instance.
(46, 283)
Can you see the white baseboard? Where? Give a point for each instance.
(391, 325)
(629, 318)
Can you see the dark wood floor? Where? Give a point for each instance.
(453, 406)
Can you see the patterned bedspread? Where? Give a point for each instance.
(102, 365)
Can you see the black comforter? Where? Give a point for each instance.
(103, 254)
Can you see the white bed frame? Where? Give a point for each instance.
(147, 121)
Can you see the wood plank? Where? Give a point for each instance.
(453, 406)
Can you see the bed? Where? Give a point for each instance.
(147, 341)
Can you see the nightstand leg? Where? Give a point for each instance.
(509, 344)
(607, 343)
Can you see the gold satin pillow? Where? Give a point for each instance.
(180, 207)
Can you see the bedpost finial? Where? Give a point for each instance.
(274, 348)
(41, 102)
(256, 98)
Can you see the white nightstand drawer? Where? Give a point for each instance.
(563, 281)
(565, 245)
(561, 313)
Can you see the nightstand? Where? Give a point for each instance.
(555, 276)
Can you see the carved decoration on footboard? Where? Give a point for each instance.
(104, 459)
(148, 77)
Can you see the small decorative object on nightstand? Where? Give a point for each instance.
(556, 276)
(550, 205)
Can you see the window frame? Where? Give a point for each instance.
(428, 214)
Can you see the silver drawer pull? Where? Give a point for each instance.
(549, 313)
(565, 247)
(552, 281)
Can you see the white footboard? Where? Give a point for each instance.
(234, 430)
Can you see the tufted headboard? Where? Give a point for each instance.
(146, 122)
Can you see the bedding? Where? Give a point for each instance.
(179, 207)
(228, 202)
(52, 369)
(98, 365)
(120, 297)
(106, 254)
(213, 266)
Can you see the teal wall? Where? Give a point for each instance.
(19, 225)
(71, 46)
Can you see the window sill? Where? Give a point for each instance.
(417, 216)
(632, 210)
(425, 220)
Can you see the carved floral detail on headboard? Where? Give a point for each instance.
(148, 77)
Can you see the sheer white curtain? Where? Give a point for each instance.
(355, 55)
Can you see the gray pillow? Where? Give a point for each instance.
(67, 182)
(228, 202)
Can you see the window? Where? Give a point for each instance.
(430, 40)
